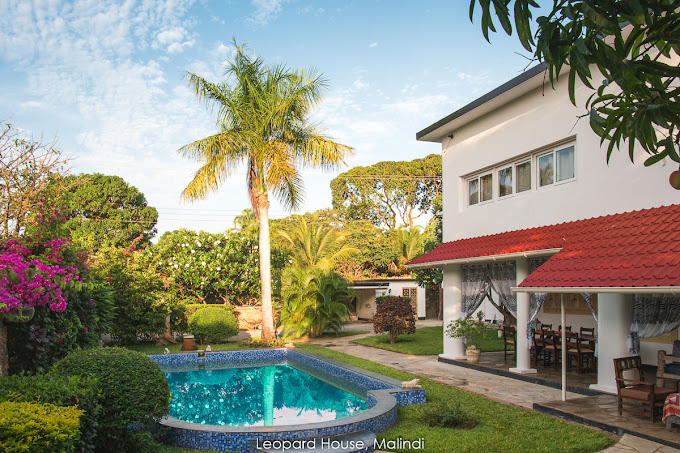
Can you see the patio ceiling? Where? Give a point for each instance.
(635, 251)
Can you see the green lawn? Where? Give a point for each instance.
(426, 341)
(151, 348)
(501, 428)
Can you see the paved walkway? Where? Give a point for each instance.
(503, 389)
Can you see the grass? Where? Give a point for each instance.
(501, 428)
(427, 341)
(151, 348)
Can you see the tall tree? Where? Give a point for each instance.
(389, 193)
(634, 44)
(263, 121)
(316, 245)
(26, 168)
(104, 211)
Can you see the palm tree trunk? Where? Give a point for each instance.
(265, 268)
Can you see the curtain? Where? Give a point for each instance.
(475, 285)
(653, 315)
(535, 299)
(588, 298)
(503, 277)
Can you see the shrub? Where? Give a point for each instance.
(77, 391)
(37, 428)
(448, 415)
(133, 390)
(213, 324)
(470, 329)
(394, 315)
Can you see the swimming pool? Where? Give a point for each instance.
(380, 394)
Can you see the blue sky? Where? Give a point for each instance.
(106, 80)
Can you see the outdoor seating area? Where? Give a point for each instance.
(546, 349)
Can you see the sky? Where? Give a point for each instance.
(107, 81)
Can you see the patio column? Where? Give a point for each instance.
(523, 348)
(453, 304)
(615, 315)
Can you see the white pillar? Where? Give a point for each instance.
(453, 304)
(523, 346)
(615, 315)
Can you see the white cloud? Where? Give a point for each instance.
(360, 85)
(373, 44)
(174, 39)
(266, 11)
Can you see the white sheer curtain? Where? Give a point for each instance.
(503, 277)
(475, 285)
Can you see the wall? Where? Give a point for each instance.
(541, 118)
(365, 303)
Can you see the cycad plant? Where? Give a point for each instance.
(263, 123)
(314, 301)
(316, 245)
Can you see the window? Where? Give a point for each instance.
(523, 176)
(556, 166)
(505, 181)
(480, 189)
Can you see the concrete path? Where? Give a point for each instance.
(502, 389)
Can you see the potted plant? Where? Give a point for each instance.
(470, 329)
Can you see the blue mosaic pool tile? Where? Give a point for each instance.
(246, 358)
(181, 361)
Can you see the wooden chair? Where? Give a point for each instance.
(633, 393)
(579, 352)
(509, 339)
(559, 328)
(552, 348)
(546, 326)
(539, 343)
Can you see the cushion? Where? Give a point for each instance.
(632, 374)
(676, 348)
(673, 368)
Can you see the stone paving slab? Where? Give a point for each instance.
(499, 388)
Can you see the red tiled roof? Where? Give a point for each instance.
(633, 249)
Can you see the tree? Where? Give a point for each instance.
(394, 315)
(408, 244)
(316, 245)
(388, 192)
(634, 44)
(26, 167)
(105, 211)
(263, 121)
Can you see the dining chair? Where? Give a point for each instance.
(539, 344)
(559, 328)
(509, 339)
(633, 393)
(579, 352)
(552, 348)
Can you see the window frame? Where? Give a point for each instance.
(478, 177)
(553, 152)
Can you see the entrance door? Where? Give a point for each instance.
(413, 294)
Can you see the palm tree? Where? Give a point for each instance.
(408, 243)
(317, 245)
(263, 121)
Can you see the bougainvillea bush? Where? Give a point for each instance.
(43, 269)
(394, 315)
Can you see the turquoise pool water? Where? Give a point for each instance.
(260, 396)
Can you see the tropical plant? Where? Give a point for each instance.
(472, 330)
(408, 244)
(634, 45)
(389, 193)
(212, 324)
(263, 121)
(316, 245)
(133, 391)
(314, 301)
(394, 315)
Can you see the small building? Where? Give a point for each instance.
(367, 290)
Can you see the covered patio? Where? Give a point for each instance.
(629, 262)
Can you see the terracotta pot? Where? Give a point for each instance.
(472, 354)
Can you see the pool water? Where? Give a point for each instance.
(258, 396)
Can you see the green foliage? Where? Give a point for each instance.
(431, 279)
(137, 294)
(133, 390)
(50, 335)
(470, 329)
(448, 415)
(211, 268)
(37, 428)
(388, 193)
(77, 391)
(212, 324)
(633, 45)
(182, 317)
(105, 211)
(394, 315)
(316, 244)
(314, 301)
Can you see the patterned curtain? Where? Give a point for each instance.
(475, 286)
(503, 277)
(653, 315)
(588, 298)
(535, 299)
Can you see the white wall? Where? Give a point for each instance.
(396, 287)
(365, 303)
(538, 119)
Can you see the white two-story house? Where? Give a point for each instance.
(526, 186)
